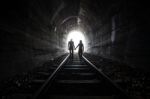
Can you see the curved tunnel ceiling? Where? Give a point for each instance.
(53, 14)
(79, 15)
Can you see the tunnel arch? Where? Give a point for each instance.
(32, 28)
(68, 24)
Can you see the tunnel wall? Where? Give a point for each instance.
(27, 36)
(121, 34)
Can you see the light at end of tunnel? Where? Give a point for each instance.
(76, 36)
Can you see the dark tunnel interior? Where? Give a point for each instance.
(35, 31)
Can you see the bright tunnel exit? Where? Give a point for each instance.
(76, 36)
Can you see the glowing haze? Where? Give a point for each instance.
(76, 36)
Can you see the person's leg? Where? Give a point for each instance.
(72, 51)
(81, 53)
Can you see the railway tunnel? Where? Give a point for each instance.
(115, 34)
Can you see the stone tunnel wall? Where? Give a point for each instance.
(122, 34)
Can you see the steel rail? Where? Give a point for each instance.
(49, 80)
(105, 76)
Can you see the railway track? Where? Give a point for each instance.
(78, 77)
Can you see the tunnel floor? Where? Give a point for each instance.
(78, 78)
(131, 80)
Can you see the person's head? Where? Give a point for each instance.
(70, 39)
(80, 41)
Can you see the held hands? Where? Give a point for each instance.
(74, 48)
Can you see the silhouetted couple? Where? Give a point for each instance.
(71, 48)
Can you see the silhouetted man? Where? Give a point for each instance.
(71, 47)
(81, 48)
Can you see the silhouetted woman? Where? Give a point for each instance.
(81, 48)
